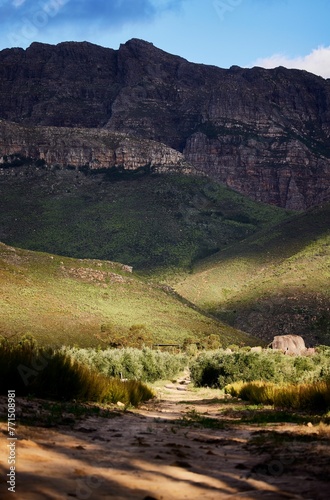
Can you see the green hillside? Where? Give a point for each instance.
(274, 282)
(147, 221)
(64, 301)
(258, 268)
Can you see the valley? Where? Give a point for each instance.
(158, 215)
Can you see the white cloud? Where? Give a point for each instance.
(318, 62)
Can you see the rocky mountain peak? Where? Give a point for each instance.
(265, 133)
(137, 44)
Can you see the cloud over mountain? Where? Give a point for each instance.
(318, 61)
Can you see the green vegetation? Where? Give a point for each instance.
(219, 409)
(274, 282)
(313, 396)
(53, 413)
(219, 368)
(258, 269)
(151, 222)
(54, 375)
(142, 364)
(63, 301)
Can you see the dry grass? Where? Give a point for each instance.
(54, 375)
(313, 397)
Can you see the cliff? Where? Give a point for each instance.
(93, 149)
(265, 133)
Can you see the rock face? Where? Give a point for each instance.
(265, 133)
(93, 149)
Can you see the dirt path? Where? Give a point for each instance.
(157, 452)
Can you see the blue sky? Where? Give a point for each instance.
(293, 33)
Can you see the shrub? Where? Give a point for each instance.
(144, 364)
(219, 368)
(211, 342)
(55, 375)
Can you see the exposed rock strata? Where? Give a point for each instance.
(280, 171)
(91, 148)
(265, 133)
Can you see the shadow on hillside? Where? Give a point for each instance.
(290, 309)
(277, 242)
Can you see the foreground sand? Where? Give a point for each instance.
(156, 452)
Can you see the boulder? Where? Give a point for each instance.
(289, 344)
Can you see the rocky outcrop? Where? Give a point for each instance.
(90, 148)
(289, 344)
(265, 133)
(282, 171)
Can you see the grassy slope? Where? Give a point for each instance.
(274, 282)
(67, 301)
(151, 222)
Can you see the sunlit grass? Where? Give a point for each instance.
(265, 281)
(49, 374)
(303, 397)
(63, 301)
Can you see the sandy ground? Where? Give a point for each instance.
(154, 453)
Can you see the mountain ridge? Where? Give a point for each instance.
(264, 133)
(82, 130)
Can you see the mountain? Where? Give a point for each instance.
(63, 301)
(217, 180)
(273, 283)
(264, 133)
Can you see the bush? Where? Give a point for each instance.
(144, 364)
(219, 368)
